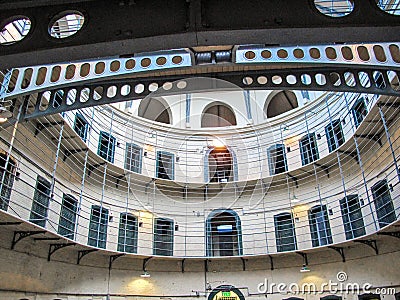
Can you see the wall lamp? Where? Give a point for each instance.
(305, 267)
(4, 114)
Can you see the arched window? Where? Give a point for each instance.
(98, 227)
(331, 297)
(7, 180)
(163, 237)
(277, 159)
(284, 232)
(308, 149)
(127, 234)
(383, 203)
(319, 226)
(41, 201)
(352, 217)
(334, 135)
(106, 148)
(359, 111)
(155, 110)
(218, 115)
(224, 233)
(282, 102)
(220, 165)
(66, 226)
(369, 297)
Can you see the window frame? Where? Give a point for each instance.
(158, 242)
(354, 111)
(171, 176)
(110, 149)
(101, 230)
(336, 135)
(62, 229)
(309, 140)
(123, 237)
(7, 184)
(36, 205)
(83, 120)
(316, 239)
(349, 211)
(388, 217)
(128, 165)
(282, 247)
(272, 163)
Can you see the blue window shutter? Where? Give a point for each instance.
(235, 165)
(239, 233)
(206, 166)
(208, 238)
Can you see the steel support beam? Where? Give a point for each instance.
(228, 81)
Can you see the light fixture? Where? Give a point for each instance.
(4, 114)
(286, 128)
(145, 274)
(218, 143)
(295, 199)
(304, 269)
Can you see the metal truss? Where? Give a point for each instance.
(334, 79)
(114, 28)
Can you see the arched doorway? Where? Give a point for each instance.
(155, 110)
(218, 115)
(226, 292)
(224, 233)
(220, 165)
(280, 103)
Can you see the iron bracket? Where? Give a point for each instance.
(19, 235)
(113, 258)
(339, 250)
(370, 243)
(145, 262)
(91, 168)
(10, 223)
(68, 153)
(40, 126)
(395, 234)
(54, 247)
(83, 253)
(271, 260)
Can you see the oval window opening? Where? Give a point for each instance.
(15, 31)
(390, 7)
(334, 8)
(66, 24)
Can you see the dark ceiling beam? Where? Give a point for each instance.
(234, 80)
(120, 27)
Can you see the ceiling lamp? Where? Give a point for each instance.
(304, 269)
(218, 143)
(145, 274)
(4, 114)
